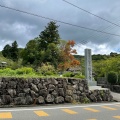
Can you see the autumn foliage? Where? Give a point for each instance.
(67, 58)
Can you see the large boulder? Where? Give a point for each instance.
(43, 92)
(68, 99)
(34, 87)
(51, 87)
(20, 101)
(21, 94)
(40, 100)
(61, 92)
(69, 92)
(33, 94)
(26, 90)
(54, 81)
(59, 99)
(12, 92)
(54, 93)
(49, 98)
(40, 86)
(36, 81)
(6, 99)
(12, 84)
(29, 100)
(93, 98)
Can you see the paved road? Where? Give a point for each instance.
(102, 111)
(116, 96)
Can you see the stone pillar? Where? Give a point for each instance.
(88, 65)
(88, 68)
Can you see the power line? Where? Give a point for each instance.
(25, 12)
(91, 13)
(83, 42)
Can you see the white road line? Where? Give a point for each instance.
(54, 108)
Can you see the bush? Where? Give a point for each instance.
(119, 78)
(24, 70)
(75, 75)
(49, 73)
(16, 65)
(112, 77)
(68, 74)
(7, 71)
(79, 76)
(47, 70)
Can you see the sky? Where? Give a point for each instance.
(23, 27)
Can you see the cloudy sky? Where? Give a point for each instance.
(22, 27)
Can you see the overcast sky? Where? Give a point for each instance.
(22, 27)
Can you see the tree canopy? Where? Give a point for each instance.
(66, 56)
(49, 35)
(44, 49)
(11, 51)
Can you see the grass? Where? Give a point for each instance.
(24, 72)
(28, 72)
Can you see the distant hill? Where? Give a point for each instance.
(98, 56)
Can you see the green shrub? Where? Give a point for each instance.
(7, 72)
(46, 69)
(79, 76)
(112, 77)
(16, 65)
(119, 78)
(68, 74)
(49, 73)
(75, 75)
(24, 70)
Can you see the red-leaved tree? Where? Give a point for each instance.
(66, 56)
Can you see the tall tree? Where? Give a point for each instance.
(49, 35)
(30, 53)
(43, 48)
(48, 43)
(14, 51)
(11, 52)
(66, 55)
(6, 52)
(52, 55)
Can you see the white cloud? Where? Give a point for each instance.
(5, 43)
(96, 49)
(23, 27)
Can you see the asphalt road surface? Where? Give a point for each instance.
(98, 111)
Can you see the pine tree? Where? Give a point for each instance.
(14, 51)
(49, 35)
(6, 52)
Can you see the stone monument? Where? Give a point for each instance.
(88, 67)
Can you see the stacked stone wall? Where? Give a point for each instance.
(20, 91)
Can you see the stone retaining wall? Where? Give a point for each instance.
(19, 91)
